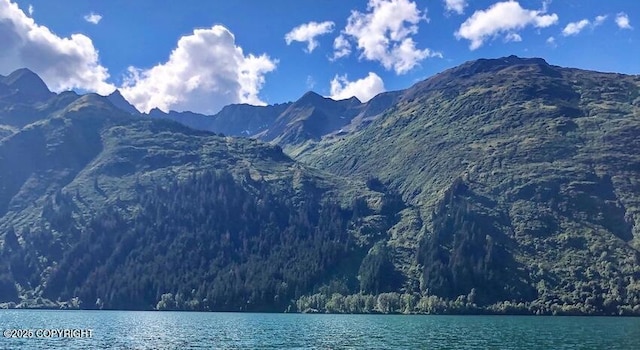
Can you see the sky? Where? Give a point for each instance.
(201, 55)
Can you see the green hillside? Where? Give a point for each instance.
(536, 163)
(115, 211)
(500, 186)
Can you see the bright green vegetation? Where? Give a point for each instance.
(500, 186)
(527, 179)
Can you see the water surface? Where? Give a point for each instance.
(191, 330)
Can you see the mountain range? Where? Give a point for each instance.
(503, 185)
(310, 118)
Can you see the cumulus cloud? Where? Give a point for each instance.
(551, 41)
(622, 20)
(364, 89)
(308, 32)
(93, 18)
(341, 47)
(574, 28)
(383, 34)
(513, 37)
(599, 20)
(63, 63)
(205, 72)
(501, 18)
(31, 10)
(456, 6)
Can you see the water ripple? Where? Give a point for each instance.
(188, 330)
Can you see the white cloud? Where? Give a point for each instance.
(31, 10)
(503, 17)
(63, 63)
(515, 37)
(574, 28)
(364, 89)
(599, 20)
(383, 34)
(205, 72)
(341, 47)
(551, 41)
(308, 32)
(622, 20)
(311, 83)
(456, 6)
(251, 76)
(93, 18)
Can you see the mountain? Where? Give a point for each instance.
(246, 120)
(27, 85)
(502, 185)
(22, 95)
(103, 209)
(234, 120)
(311, 117)
(289, 125)
(120, 102)
(526, 178)
(193, 120)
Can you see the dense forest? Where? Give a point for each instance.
(210, 243)
(205, 243)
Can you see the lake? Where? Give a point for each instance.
(191, 330)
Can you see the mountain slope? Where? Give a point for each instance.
(290, 125)
(28, 85)
(120, 102)
(535, 163)
(25, 98)
(246, 120)
(102, 209)
(311, 117)
(503, 186)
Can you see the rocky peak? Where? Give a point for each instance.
(28, 84)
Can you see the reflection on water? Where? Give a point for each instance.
(188, 330)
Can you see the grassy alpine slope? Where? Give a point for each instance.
(538, 161)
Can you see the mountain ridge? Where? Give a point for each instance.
(90, 164)
(120, 102)
(542, 156)
(26, 82)
(309, 118)
(499, 186)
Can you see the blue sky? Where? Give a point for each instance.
(202, 55)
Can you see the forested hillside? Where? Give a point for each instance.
(103, 209)
(526, 175)
(500, 186)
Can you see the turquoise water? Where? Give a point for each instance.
(189, 330)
